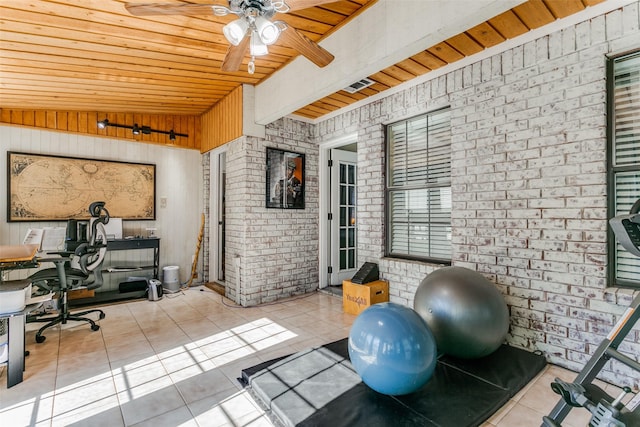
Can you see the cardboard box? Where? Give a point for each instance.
(355, 298)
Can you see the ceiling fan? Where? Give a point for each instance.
(254, 27)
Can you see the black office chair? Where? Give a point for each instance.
(80, 268)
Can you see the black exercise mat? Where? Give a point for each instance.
(461, 392)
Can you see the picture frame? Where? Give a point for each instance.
(285, 184)
(42, 187)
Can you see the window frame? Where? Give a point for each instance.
(388, 190)
(612, 171)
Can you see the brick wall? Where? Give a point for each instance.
(277, 249)
(528, 184)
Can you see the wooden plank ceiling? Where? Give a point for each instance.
(510, 24)
(92, 55)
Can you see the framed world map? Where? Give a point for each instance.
(56, 188)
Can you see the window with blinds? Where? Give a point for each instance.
(419, 188)
(624, 157)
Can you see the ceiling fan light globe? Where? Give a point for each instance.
(257, 47)
(267, 30)
(235, 31)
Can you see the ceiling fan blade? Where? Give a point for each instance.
(148, 9)
(235, 54)
(303, 4)
(307, 47)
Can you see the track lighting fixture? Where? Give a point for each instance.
(137, 130)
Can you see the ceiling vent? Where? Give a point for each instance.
(359, 85)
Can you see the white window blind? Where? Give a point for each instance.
(419, 187)
(625, 147)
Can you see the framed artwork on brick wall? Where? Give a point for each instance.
(285, 179)
(57, 188)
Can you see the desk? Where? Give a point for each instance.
(15, 343)
(15, 257)
(141, 243)
(129, 267)
(131, 245)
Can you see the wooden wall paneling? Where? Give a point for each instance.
(16, 116)
(85, 122)
(121, 118)
(29, 118)
(62, 121)
(151, 120)
(41, 119)
(92, 122)
(51, 120)
(72, 121)
(223, 122)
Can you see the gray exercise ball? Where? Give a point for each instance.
(466, 313)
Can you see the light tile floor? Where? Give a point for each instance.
(175, 362)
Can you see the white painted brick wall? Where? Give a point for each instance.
(278, 249)
(528, 180)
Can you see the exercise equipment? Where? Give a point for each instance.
(606, 411)
(465, 312)
(460, 393)
(392, 349)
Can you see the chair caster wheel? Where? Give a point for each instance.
(102, 315)
(95, 327)
(40, 339)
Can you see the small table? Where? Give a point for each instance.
(17, 256)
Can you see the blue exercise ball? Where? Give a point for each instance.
(465, 312)
(392, 349)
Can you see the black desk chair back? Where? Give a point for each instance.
(81, 268)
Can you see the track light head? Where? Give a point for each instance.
(172, 135)
(102, 124)
(135, 129)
